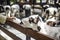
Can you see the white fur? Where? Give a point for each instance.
(46, 6)
(53, 32)
(16, 20)
(7, 12)
(15, 9)
(27, 6)
(7, 6)
(26, 24)
(52, 9)
(15, 6)
(52, 19)
(30, 25)
(51, 12)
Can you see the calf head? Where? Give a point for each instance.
(34, 20)
(1, 9)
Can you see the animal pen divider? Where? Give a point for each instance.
(28, 32)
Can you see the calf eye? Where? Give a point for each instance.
(7, 8)
(54, 12)
(47, 12)
(31, 20)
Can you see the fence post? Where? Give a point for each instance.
(28, 37)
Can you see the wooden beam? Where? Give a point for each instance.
(9, 33)
(31, 33)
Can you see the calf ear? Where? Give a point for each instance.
(47, 12)
(37, 19)
(54, 12)
(29, 21)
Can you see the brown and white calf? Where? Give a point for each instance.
(51, 12)
(31, 22)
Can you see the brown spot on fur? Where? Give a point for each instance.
(51, 23)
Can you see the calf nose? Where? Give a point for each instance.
(21, 22)
(38, 27)
(54, 24)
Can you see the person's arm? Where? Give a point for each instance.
(2, 19)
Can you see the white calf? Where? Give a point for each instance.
(51, 12)
(7, 9)
(48, 28)
(15, 10)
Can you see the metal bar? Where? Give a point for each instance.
(9, 33)
(28, 37)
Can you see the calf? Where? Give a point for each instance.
(1, 9)
(15, 10)
(51, 12)
(49, 28)
(31, 22)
